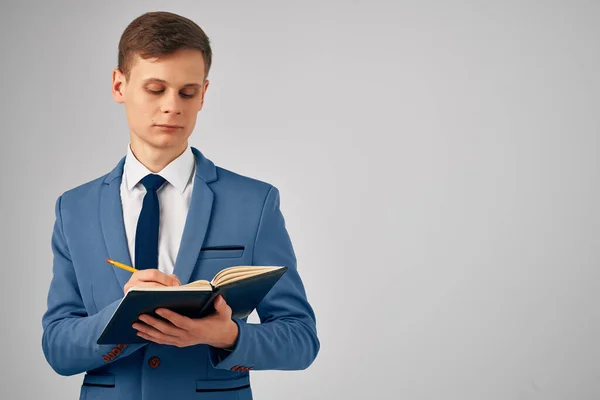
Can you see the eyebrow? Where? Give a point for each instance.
(163, 81)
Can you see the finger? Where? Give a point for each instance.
(153, 275)
(155, 339)
(180, 321)
(148, 331)
(157, 325)
(175, 279)
(147, 284)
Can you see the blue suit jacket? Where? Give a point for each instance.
(226, 210)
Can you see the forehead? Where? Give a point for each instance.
(180, 67)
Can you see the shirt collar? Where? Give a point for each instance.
(177, 172)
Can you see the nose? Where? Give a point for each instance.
(171, 103)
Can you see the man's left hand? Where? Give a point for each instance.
(217, 330)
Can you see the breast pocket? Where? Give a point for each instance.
(221, 252)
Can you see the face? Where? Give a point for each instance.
(162, 98)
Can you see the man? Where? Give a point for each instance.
(170, 212)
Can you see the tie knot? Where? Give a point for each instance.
(152, 181)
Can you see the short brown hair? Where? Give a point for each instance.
(160, 33)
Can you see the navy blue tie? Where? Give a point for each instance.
(146, 234)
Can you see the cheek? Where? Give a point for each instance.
(191, 115)
(142, 106)
(195, 107)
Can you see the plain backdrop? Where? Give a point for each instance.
(438, 168)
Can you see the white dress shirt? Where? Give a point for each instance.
(173, 196)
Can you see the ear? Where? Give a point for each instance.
(204, 88)
(118, 86)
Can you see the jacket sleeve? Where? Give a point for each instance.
(69, 333)
(286, 338)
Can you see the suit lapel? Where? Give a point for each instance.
(194, 232)
(111, 220)
(198, 218)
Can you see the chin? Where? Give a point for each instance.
(165, 141)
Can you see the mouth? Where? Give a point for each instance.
(169, 126)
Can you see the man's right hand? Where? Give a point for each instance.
(151, 277)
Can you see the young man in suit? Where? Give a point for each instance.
(170, 212)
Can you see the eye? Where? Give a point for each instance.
(182, 94)
(187, 95)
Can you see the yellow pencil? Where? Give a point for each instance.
(120, 265)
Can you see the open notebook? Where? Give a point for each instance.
(242, 287)
(223, 277)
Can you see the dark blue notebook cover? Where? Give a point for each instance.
(242, 296)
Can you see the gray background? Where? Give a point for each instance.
(438, 165)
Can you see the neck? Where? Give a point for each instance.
(155, 158)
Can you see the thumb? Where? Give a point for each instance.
(221, 305)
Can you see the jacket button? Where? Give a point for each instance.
(154, 362)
